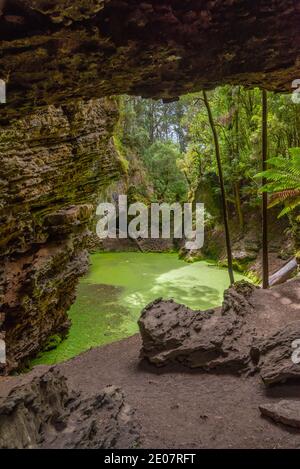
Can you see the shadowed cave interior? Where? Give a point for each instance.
(79, 77)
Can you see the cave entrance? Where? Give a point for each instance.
(60, 63)
(167, 155)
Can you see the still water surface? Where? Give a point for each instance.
(118, 286)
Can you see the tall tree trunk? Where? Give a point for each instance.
(238, 204)
(151, 122)
(223, 195)
(265, 259)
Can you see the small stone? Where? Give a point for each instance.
(286, 412)
(175, 406)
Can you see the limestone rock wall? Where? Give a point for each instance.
(53, 166)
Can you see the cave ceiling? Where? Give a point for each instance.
(54, 51)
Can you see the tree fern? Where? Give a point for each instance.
(283, 184)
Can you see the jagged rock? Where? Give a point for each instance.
(238, 299)
(102, 422)
(285, 412)
(55, 51)
(39, 289)
(42, 413)
(30, 407)
(67, 220)
(225, 338)
(210, 339)
(53, 165)
(274, 355)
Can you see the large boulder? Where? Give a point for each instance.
(274, 354)
(39, 411)
(231, 338)
(221, 338)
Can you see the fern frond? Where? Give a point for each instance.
(287, 194)
(283, 181)
(290, 207)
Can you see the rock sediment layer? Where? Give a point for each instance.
(53, 166)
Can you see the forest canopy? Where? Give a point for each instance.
(174, 143)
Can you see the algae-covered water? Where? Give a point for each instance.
(111, 297)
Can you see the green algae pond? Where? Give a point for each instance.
(110, 298)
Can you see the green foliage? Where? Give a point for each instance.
(173, 143)
(53, 342)
(121, 153)
(283, 181)
(161, 160)
(237, 117)
(152, 131)
(237, 114)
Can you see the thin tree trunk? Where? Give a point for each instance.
(265, 259)
(237, 152)
(223, 195)
(238, 204)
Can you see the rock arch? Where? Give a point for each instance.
(60, 59)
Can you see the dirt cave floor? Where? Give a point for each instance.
(180, 408)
